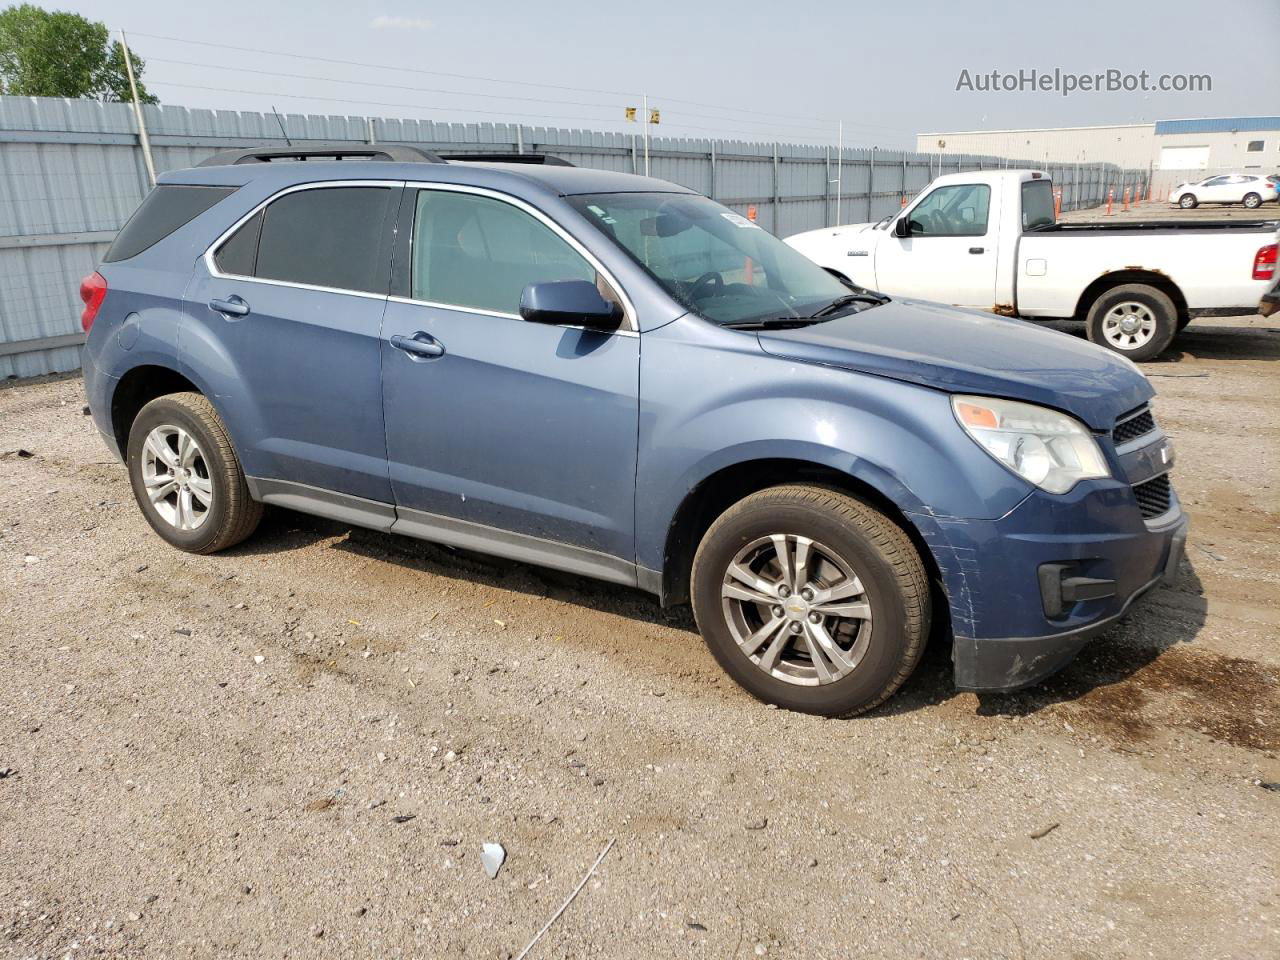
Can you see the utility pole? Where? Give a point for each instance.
(644, 98)
(137, 111)
(839, 166)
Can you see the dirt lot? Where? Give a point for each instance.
(215, 756)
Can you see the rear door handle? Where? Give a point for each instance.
(233, 306)
(421, 345)
(976, 249)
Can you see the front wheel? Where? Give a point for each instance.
(1188, 201)
(1133, 319)
(186, 476)
(811, 600)
(1252, 201)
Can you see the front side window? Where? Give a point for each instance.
(480, 252)
(322, 237)
(955, 211)
(714, 261)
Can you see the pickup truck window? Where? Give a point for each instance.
(960, 210)
(1037, 204)
(480, 253)
(714, 261)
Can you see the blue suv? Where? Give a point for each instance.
(618, 377)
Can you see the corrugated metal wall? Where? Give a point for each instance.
(71, 172)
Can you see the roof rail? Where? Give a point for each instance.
(394, 153)
(542, 158)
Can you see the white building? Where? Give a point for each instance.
(1174, 150)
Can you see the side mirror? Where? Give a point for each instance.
(902, 227)
(569, 303)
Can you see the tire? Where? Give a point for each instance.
(1188, 201)
(203, 466)
(1252, 201)
(1183, 321)
(1154, 317)
(878, 646)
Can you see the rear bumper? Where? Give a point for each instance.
(999, 665)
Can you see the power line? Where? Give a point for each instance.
(512, 82)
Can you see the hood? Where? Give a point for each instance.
(967, 351)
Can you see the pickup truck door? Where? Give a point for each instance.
(950, 255)
(511, 437)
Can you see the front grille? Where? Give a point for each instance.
(1136, 426)
(1154, 496)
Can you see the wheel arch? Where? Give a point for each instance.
(720, 490)
(1118, 278)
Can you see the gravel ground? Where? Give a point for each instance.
(297, 748)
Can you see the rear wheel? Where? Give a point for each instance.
(811, 599)
(186, 476)
(1252, 201)
(1188, 201)
(1133, 319)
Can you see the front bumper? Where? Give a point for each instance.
(1002, 664)
(1010, 630)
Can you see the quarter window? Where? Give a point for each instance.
(323, 237)
(956, 211)
(479, 252)
(166, 208)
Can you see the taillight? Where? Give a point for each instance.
(1264, 264)
(93, 289)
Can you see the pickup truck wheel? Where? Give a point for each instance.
(1252, 201)
(186, 476)
(1188, 201)
(811, 600)
(1133, 319)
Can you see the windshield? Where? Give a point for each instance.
(711, 259)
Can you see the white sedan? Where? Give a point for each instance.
(1253, 192)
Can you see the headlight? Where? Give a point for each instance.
(1043, 446)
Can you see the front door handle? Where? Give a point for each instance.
(421, 345)
(976, 249)
(233, 306)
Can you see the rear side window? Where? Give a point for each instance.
(325, 237)
(165, 209)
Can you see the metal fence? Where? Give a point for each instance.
(72, 171)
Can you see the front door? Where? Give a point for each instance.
(950, 255)
(511, 437)
(286, 311)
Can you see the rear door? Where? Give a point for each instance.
(284, 314)
(512, 437)
(950, 255)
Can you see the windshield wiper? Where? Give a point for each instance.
(773, 323)
(850, 298)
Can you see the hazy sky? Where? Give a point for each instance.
(740, 69)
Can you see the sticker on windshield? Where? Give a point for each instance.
(740, 221)
(599, 212)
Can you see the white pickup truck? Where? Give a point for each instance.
(990, 240)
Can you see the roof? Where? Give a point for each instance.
(1218, 125)
(562, 180)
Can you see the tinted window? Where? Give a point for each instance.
(957, 211)
(473, 251)
(1037, 204)
(327, 237)
(165, 209)
(238, 254)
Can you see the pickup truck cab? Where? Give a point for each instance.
(614, 376)
(990, 240)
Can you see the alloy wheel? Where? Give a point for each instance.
(797, 609)
(176, 477)
(1129, 325)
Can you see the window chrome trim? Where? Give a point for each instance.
(629, 312)
(212, 266)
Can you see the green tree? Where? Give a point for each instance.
(44, 54)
